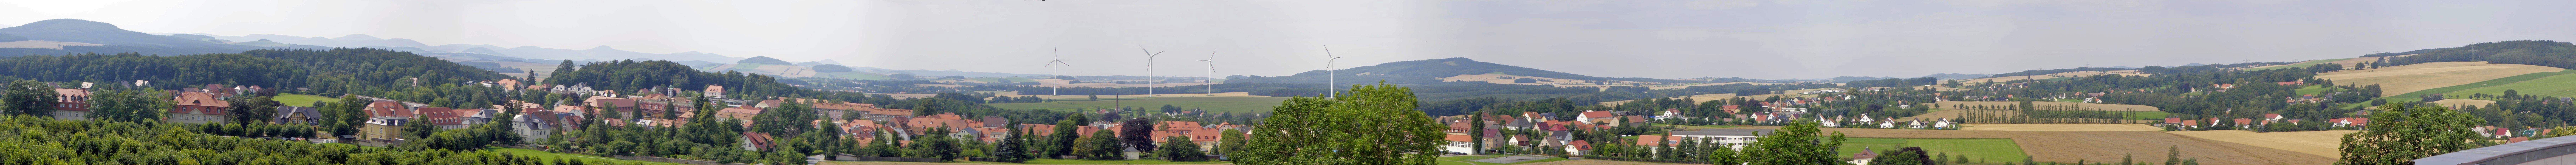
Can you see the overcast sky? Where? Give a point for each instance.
(1656, 39)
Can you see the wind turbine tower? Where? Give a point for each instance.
(1329, 74)
(1058, 64)
(1149, 70)
(1211, 74)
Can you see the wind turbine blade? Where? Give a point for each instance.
(1328, 51)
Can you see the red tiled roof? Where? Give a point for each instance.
(1459, 138)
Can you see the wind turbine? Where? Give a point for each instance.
(1211, 75)
(1329, 73)
(1059, 70)
(1149, 70)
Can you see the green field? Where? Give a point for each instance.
(2489, 83)
(2315, 89)
(1467, 160)
(1986, 149)
(2560, 85)
(2299, 65)
(1069, 161)
(301, 100)
(552, 155)
(1212, 104)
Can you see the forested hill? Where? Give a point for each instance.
(331, 71)
(2526, 52)
(1426, 71)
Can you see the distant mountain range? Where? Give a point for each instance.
(599, 53)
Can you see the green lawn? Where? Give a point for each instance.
(1468, 160)
(2559, 85)
(1070, 161)
(552, 155)
(2313, 89)
(301, 100)
(2489, 83)
(1212, 104)
(1987, 149)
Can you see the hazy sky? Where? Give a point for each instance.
(1658, 39)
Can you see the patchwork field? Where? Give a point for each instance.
(2142, 116)
(2320, 143)
(1705, 97)
(1986, 149)
(1226, 94)
(2551, 84)
(1601, 162)
(1498, 78)
(1705, 84)
(2104, 145)
(2086, 106)
(2058, 127)
(2346, 62)
(2400, 80)
(2056, 75)
(1213, 104)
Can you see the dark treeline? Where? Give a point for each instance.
(2526, 52)
(327, 72)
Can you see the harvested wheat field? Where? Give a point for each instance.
(2086, 106)
(2058, 127)
(2057, 75)
(2320, 143)
(2461, 102)
(2105, 145)
(2410, 78)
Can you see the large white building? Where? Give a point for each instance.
(1738, 137)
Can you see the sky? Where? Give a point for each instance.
(1654, 39)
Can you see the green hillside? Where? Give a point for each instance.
(2559, 84)
(2481, 84)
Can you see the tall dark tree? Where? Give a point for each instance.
(253, 109)
(1013, 149)
(1063, 141)
(1137, 133)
